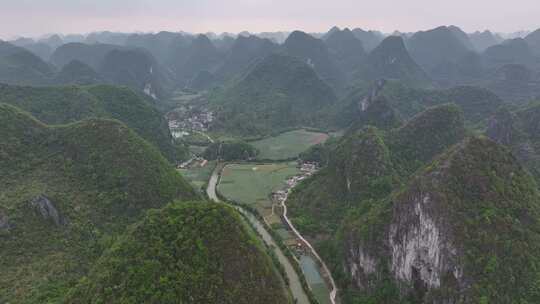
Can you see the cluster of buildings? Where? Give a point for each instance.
(307, 169)
(185, 119)
(279, 197)
(193, 162)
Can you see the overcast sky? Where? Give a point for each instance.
(36, 17)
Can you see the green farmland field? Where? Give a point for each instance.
(198, 176)
(287, 145)
(253, 184)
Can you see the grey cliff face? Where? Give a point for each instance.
(47, 210)
(421, 245)
(4, 222)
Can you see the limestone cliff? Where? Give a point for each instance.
(456, 233)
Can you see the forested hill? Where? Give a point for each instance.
(67, 192)
(215, 259)
(279, 92)
(60, 105)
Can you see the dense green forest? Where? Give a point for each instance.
(425, 187)
(68, 191)
(60, 105)
(184, 253)
(280, 92)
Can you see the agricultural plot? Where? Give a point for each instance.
(288, 145)
(199, 176)
(252, 184)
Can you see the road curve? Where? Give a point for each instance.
(295, 284)
(333, 293)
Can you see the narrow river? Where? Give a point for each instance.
(294, 280)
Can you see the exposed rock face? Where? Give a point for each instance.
(421, 244)
(46, 208)
(375, 90)
(438, 239)
(502, 127)
(4, 222)
(361, 265)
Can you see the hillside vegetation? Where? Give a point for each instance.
(369, 163)
(471, 203)
(519, 129)
(279, 93)
(67, 192)
(60, 105)
(20, 66)
(184, 253)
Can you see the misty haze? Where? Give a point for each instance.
(269, 152)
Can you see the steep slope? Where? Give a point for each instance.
(447, 55)
(478, 104)
(67, 192)
(200, 55)
(314, 52)
(40, 49)
(20, 66)
(244, 52)
(370, 39)
(368, 163)
(59, 105)
(107, 37)
(425, 136)
(136, 68)
(515, 83)
(515, 51)
(359, 166)
(216, 261)
(280, 92)
(161, 44)
(77, 73)
(346, 50)
(465, 229)
(483, 40)
(518, 130)
(89, 54)
(367, 108)
(533, 39)
(391, 60)
(437, 46)
(462, 37)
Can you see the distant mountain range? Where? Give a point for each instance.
(427, 189)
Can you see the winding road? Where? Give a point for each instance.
(295, 284)
(333, 292)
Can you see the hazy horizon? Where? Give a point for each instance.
(85, 16)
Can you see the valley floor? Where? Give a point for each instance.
(295, 283)
(316, 274)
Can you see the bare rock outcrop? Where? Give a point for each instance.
(4, 222)
(45, 207)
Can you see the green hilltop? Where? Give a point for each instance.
(278, 93)
(369, 162)
(478, 104)
(184, 253)
(67, 192)
(74, 226)
(423, 213)
(20, 66)
(391, 60)
(60, 105)
(77, 73)
(465, 228)
(519, 130)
